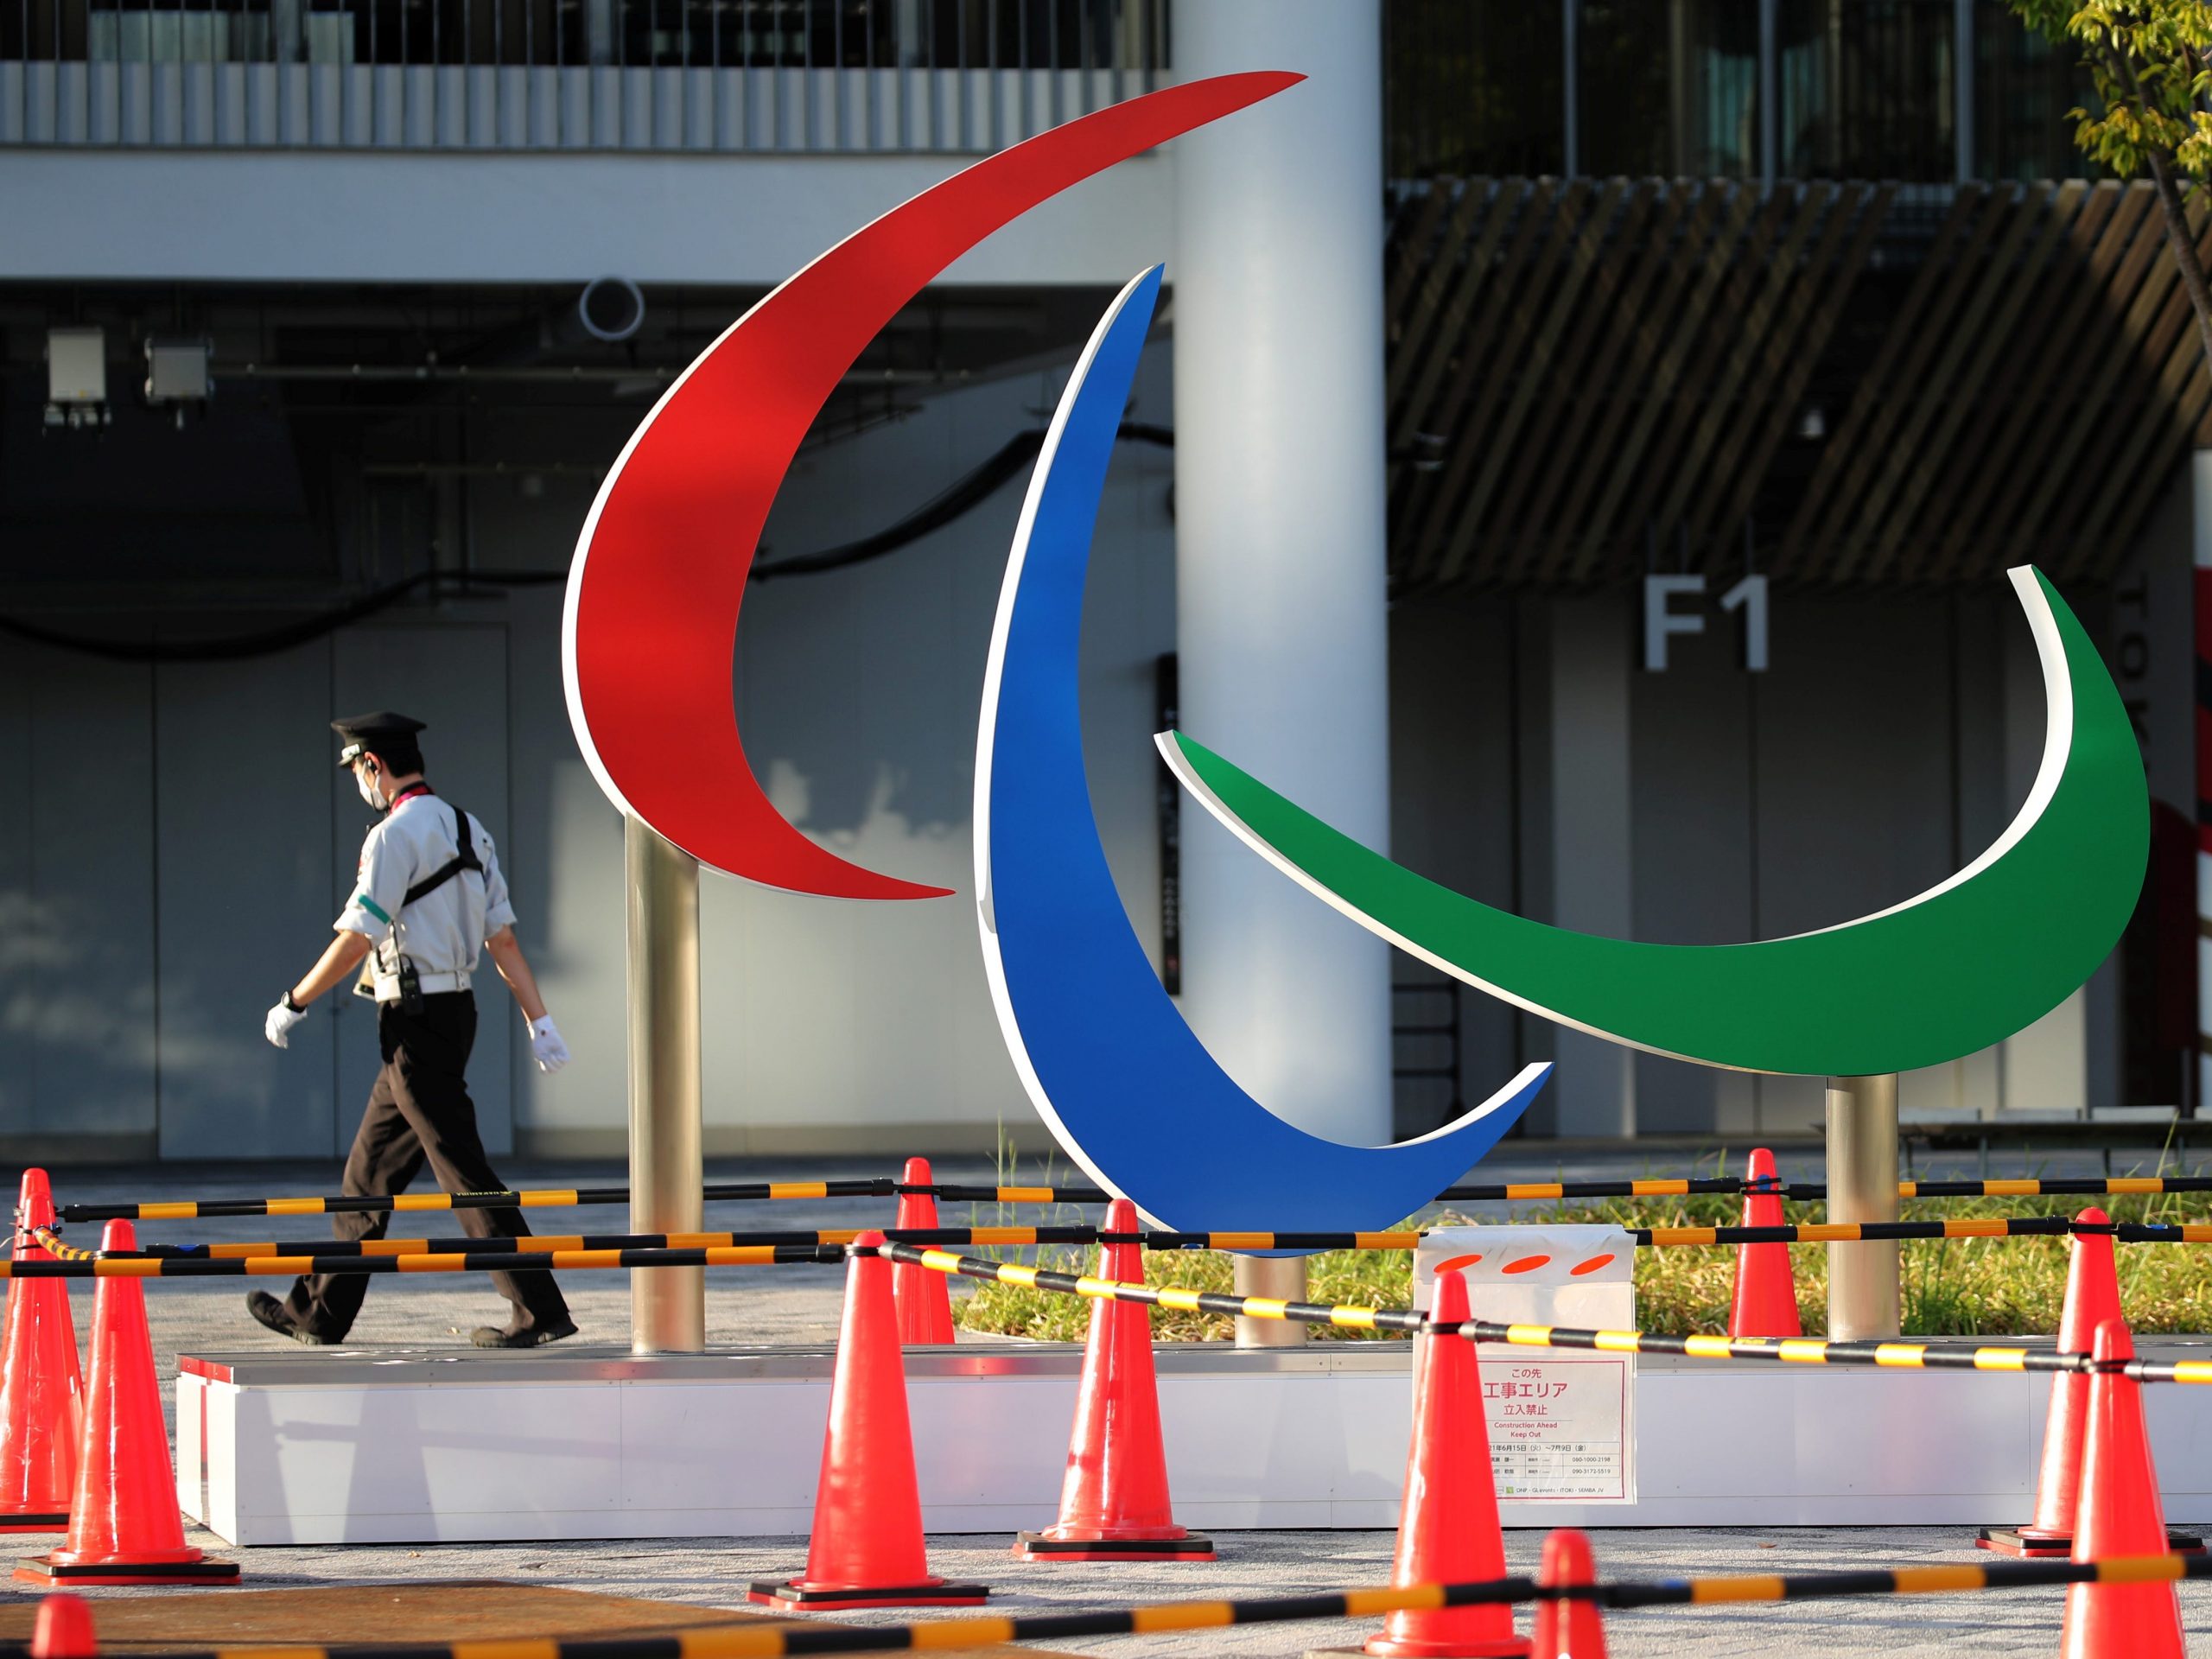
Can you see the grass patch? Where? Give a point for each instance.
(1953, 1287)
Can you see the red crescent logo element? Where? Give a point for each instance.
(659, 574)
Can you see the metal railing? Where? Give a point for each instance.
(840, 75)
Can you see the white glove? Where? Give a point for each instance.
(545, 1045)
(280, 1023)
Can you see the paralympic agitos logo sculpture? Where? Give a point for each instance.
(650, 628)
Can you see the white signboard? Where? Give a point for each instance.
(1562, 1424)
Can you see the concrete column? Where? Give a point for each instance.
(1593, 1089)
(668, 1305)
(1277, 312)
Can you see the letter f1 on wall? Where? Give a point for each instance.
(1965, 964)
(660, 568)
(1127, 1086)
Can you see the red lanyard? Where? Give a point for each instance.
(409, 794)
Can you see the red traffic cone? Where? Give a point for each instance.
(1447, 1530)
(64, 1629)
(42, 1394)
(1766, 1303)
(865, 1547)
(2120, 1516)
(1114, 1503)
(1568, 1629)
(123, 1524)
(925, 1299)
(2092, 1297)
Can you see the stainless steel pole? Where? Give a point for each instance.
(1863, 1300)
(668, 1305)
(1280, 1277)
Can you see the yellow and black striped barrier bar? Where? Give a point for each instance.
(471, 1261)
(562, 1197)
(775, 1641)
(1025, 1237)
(811, 1243)
(1897, 1356)
(960, 1192)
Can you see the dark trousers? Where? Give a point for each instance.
(420, 1111)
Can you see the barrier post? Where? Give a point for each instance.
(1862, 1148)
(1282, 1277)
(668, 1305)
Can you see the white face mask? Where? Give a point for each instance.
(370, 791)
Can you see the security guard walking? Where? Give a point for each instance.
(428, 892)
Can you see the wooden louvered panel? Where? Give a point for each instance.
(1521, 321)
(1421, 344)
(1553, 466)
(1874, 470)
(1732, 505)
(1588, 373)
(2034, 427)
(1469, 362)
(1724, 363)
(1560, 391)
(1978, 290)
(1549, 306)
(1927, 451)
(1722, 258)
(2121, 474)
(2100, 238)
(2085, 411)
(1650, 332)
(1854, 433)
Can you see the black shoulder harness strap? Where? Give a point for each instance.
(464, 834)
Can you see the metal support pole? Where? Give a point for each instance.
(1863, 1187)
(1770, 97)
(1570, 22)
(1963, 63)
(1280, 1277)
(668, 1305)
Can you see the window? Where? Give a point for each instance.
(1474, 87)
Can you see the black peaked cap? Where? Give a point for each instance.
(374, 731)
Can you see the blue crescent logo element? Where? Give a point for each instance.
(1124, 1084)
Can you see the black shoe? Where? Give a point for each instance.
(486, 1336)
(273, 1313)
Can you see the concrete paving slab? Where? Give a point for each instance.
(712, 1573)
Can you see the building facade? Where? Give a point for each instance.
(373, 291)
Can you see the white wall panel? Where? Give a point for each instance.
(248, 894)
(77, 1005)
(1695, 877)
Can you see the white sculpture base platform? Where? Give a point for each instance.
(384, 1446)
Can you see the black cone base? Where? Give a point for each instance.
(829, 1597)
(38, 1569)
(2018, 1541)
(1037, 1546)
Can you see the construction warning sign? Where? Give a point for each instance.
(1562, 1429)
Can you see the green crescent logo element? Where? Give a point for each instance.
(1965, 964)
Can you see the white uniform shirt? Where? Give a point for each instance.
(440, 931)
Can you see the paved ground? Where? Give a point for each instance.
(800, 1304)
(713, 1572)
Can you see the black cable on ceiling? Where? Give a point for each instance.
(964, 496)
